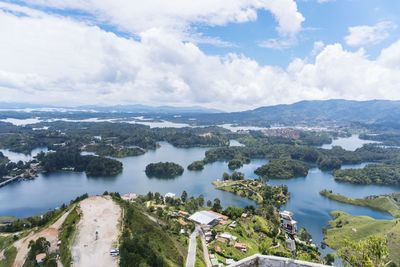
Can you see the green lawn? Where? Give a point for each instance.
(200, 262)
(67, 236)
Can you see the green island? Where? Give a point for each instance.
(282, 169)
(114, 151)
(255, 190)
(384, 174)
(350, 236)
(69, 159)
(163, 170)
(197, 165)
(389, 203)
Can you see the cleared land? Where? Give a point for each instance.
(101, 215)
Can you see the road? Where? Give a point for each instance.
(191, 257)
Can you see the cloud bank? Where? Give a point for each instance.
(49, 58)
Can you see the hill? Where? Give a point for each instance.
(316, 112)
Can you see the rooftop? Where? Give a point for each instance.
(204, 217)
(258, 260)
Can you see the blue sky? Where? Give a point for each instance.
(327, 22)
(230, 55)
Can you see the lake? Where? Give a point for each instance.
(311, 210)
(348, 143)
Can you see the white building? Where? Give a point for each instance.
(205, 218)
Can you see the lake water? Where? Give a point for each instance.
(349, 143)
(15, 157)
(311, 210)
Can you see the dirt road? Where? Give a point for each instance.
(101, 215)
(50, 233)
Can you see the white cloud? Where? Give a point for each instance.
(52, 59)
(278, 44)
(138, 16)
(365, 34)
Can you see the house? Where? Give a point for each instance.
(205, 217)
(170, 195)
(129, 196)
(227, 236)
(233, 224)
(40, 258)
(287, 222)
(183, 213)
(240, 246)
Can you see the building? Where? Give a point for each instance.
(287, 222)
(258, 260)
(205, 217)
(170, 195)
(40, 258)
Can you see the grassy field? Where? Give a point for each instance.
(387, 203)
(355, 228)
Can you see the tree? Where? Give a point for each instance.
(184, 196)
(217, 205)
(370, 252)
(209, 203)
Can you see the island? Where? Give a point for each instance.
(114, 151)
(197, 165)
(72, 160)
(282, 169)
(383, 174)
(164, 170)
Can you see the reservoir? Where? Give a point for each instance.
(311, 210)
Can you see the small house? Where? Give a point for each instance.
(40, 258)
(240, 246)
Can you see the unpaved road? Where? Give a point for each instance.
(102, 215)
(191, 256)
(50, 233)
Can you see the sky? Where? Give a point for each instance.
(226, 54)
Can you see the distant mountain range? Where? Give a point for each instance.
(137, 108)
(316, 112)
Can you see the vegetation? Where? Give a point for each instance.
(388, 203)
(41, 245)
(350, 235)
(9, 257)
(371, 252)
(200, 262)
(197, 165)
(235, 176)
(164, 170)
(255, 190)
(372, 174)
(67, 235)
(72, 160)
(282, 169)
(115, 151)
(145, 243)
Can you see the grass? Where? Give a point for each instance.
(385, 203)
(67, 236)
(200, 262)
(356, 228)
(9, 257)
